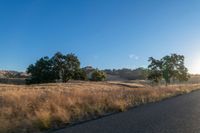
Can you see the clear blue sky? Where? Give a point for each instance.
(102, 33)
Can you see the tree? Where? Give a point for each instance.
(58, 64)
(174, 68)
(59, 67)
(41, 72)
(71, 66)
(98, 75)
(65, 66)
(155, 70)
(170, 68)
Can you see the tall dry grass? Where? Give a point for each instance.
(26, 109)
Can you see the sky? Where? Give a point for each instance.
(102, 33)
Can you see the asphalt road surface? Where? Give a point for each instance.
(176, 115)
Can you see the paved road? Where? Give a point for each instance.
(177, 115)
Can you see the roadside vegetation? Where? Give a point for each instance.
(35, 108)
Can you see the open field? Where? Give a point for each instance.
(25, 109)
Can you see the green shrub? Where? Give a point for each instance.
(98, 75)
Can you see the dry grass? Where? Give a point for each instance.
(25, 109)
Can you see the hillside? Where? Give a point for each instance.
(12, 74)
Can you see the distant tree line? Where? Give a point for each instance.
(171, 68)
(59, 68)
(129, 74)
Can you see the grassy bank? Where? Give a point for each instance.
(41, 107)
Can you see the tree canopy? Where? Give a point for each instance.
(42, 71)
(169, 68)
(65, 66)
(59, 67)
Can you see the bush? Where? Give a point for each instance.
(80, 75)
(98, 75)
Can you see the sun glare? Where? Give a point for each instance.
(195, 67)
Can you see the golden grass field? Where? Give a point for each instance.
(28, 109)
